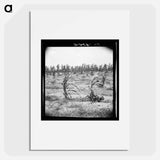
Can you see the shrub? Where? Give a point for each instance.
(92, 97)
(69, 88)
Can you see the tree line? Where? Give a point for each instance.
(79, 68)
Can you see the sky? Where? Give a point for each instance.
(74, 56)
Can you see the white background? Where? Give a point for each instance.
(145, 142)
(80, 135)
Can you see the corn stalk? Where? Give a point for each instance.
(69, 88)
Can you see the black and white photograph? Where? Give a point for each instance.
(79, 79)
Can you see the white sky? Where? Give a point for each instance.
(78, 55)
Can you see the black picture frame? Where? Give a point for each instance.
(110, 43)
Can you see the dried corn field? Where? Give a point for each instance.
(80, 95)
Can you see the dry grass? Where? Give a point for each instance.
(76, 103)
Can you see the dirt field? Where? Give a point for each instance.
(56, 105)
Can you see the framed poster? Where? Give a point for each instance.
(79, 74)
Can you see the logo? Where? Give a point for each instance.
(8, 8)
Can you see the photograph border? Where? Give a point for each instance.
(110, 43)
